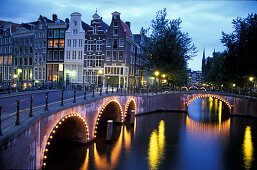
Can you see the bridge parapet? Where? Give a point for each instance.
(33, 136)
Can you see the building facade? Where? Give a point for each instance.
(40, 49)
(120, 53)
(55, 51)
(95, 51)
(23, 55)
(74, 50)
(6, 51)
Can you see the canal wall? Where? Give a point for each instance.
(24, 146)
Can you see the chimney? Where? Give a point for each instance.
(67, 20)
(128, 24)
(54, 17)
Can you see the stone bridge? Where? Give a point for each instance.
(26, 146)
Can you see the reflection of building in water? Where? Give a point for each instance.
(156, 148)
(248, 148)
(102, 161)
(203, 128)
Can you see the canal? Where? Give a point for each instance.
(205, 138)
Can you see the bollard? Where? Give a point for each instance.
(132, 116)
(117, 89)
(101, 91)
(9, 88)
(85, 93)
(232, 110)
(18, 113)
(112, 88)
(93, 94)
(121, 90)
(147, 90)
(186, 107)
(46, 107)
(62, 98)
(31, 106)
(109, 130)
(1, 133)
(107, 89)
(74, 97)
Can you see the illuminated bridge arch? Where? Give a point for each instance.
(184, 87)
(202, 88)
(210, 95)
(191, 87)
(109, 105)
(75, 128)
(131, 105)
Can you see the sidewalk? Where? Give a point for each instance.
(15, 94)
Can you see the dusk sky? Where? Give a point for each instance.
(203, 20)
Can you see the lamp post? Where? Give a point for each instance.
(156, 73)
(251, 80)
(163, 76)
(100, 72)
(233, 86)
(15, 76)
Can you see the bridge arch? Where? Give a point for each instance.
(70, 123)
(210, 95)
(191, 87)
(202, 88)
(184, 87)
(131, 105)
(117, 116)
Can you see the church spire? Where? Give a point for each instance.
(203, 61)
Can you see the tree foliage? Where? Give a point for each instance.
(239, 60)
(166, 48)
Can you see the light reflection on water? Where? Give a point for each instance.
(248, 148)
(204, 139)
(156, 148)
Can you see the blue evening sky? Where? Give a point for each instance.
(203, 20)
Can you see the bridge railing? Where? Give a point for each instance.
(14, 113)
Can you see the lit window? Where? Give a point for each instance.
(50, 43)
(56, 42)
(61, 43)
(10, 59)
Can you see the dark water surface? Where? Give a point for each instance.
(205, 138)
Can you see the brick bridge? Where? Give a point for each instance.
(26, 146)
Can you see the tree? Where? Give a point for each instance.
(166, 48)
(241, 52)
(215, 69)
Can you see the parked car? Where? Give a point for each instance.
(4, 87)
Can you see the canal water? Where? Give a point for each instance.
(205, 138)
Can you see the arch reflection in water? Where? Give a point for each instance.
(110, 159)
(156, 149)
(248, 148)
(209, 110)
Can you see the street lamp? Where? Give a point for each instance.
(100, 72)
(234, 85)
(156, 73)
(251, 80)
